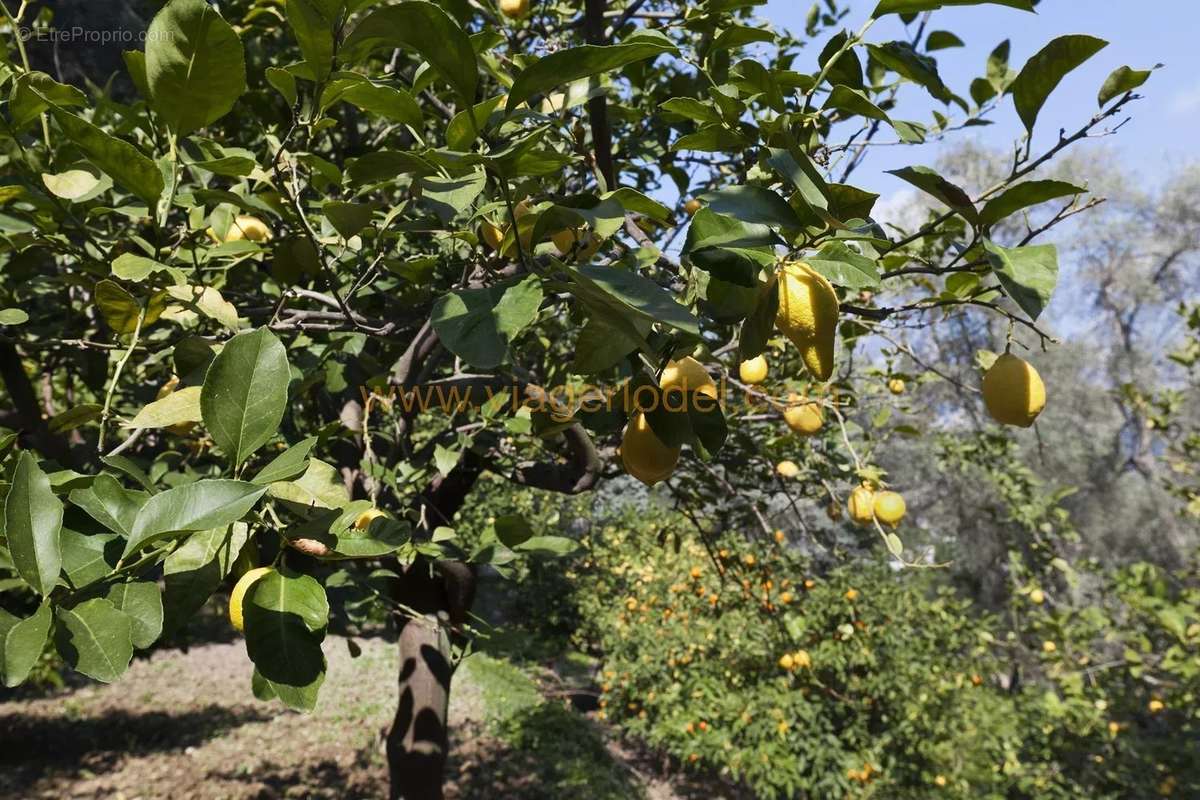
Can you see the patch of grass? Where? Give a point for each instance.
(505, 688)
(542, 749)
(566, 754)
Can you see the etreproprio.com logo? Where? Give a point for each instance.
(90, 36)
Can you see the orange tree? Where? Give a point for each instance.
(276, 316)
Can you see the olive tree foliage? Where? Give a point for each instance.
(235, 308)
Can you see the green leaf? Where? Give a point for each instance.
(1042, 73)
(110, 504)
(194, 571)
(847, 69)
(428, 30)
(1024, 195)
(465, 126)
(710, 229)
(760, 324)
(291, 463)
(942, 40)
(320, 486)
(130, 267)
(753, 204)
(141, 602)
(602, 344)
(72, 418)
(1027, 274)
(119, 308)
(245, 393)
(22, 645)
(13, 316)
(933, 184)
(72, 184)
(285, 618)
(914, 6)
(388, 102)
(174, 409)
(691, 108)
(347, 218)
(449, 197)
(845, 267)
(207, 301)
(35, 92)
(548, 546)
(210, 503)
(513, 530)
(478, 324)
(626, 293)
(798, 169)
(88, 558)
(901, 58)
(1122, 80)
(314, 33)
(32, 524)
(284, 83)
(120, 160)
(733, 265)
(585, 61)
(95, 639)
(853, 101)
(195, 66)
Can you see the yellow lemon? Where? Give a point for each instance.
(689, 376)
(861, 505)
(1037, 597)
(578, 243)
(801, 659)
(851, 595)
(243, 227)
(896, 386)
(1049, 647)
(939, 780)
(364, 520)
(692, 206)
(785, 661)
(754, 370)
(803, 416)
(492, 234)
(808, 316)
(1156, 706)
(780, 537)
(787, 469)
(643, 454)
(514, 9)
(238, 595)
(1013, 391)
(889, 508)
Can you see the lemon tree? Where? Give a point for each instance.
(333, 261)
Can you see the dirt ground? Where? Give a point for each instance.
(186, 725)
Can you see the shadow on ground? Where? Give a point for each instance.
(33, 748)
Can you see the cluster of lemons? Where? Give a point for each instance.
(581, 243)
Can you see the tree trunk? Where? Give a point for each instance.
(417, 743)
(435, 600)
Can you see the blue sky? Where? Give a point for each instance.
(1141, 33)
